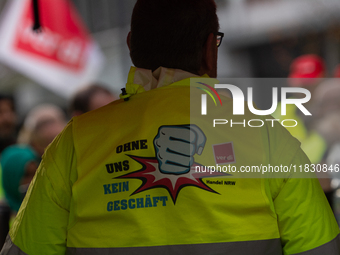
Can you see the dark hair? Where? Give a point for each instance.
(171, 33)
(81, 100)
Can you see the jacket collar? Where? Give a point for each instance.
(140, 80)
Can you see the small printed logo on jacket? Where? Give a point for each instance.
(224, 153)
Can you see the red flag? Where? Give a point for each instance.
(62, 57)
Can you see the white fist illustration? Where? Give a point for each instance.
(175, 147)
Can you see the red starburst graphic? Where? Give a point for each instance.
(152, 178)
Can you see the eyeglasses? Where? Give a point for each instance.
(219, 38)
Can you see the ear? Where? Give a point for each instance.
(209, 57)
(128, 40)
(209, 51)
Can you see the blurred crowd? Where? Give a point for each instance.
(22, 146)
(319, 133)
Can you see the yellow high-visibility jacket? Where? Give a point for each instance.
(99, 188)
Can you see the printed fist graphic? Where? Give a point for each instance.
(175, 147)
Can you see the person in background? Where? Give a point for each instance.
(326, 121)
(8, 132)
(308, 71)
(8, 121)
(90, 98)
(18, 164)
(42, 124)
